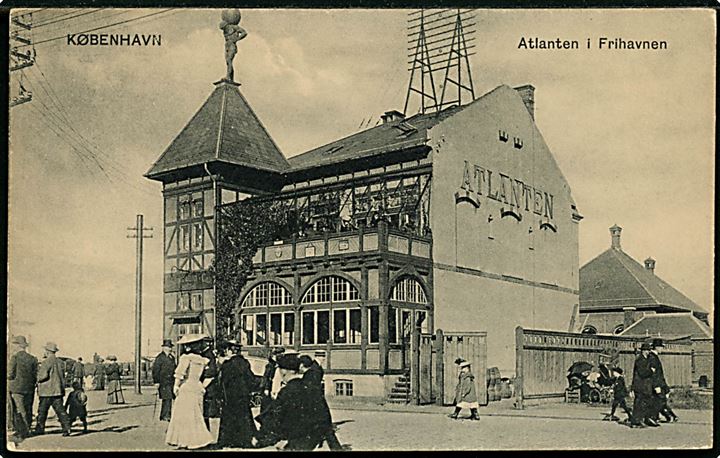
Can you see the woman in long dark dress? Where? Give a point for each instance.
(237, 427)
(114, 390)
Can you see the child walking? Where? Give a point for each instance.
(76, 405)
(465, 396)
(619, 394)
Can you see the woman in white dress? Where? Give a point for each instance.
(187, 427)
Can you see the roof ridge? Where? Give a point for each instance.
(633, 274)
(223, 107)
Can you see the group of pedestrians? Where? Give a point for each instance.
(201, 385)
(26, 376)
(650, 388)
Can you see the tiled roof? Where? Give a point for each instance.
(224, 129)
(669, 324)
(615, 280)
(391, 136)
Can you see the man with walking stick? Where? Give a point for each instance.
(163, 372)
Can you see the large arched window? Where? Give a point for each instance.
(403, 318)
(267, 293)
(266, 316)
(331, 289)
(589, 330)
(408, 289)
(333, 314)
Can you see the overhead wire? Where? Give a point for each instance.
(67, 18)
(81, 23)
(86, 150)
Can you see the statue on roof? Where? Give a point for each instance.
(233, 33)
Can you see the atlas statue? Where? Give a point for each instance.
(233, 33)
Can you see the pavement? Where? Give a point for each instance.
(550, 426)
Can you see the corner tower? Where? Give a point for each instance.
(223, 154)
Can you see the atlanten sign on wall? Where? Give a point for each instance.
(479, 181)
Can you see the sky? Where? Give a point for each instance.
(632, 131)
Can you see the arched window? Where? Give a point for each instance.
(276, 327)
(408, 289)
(342, 323)
(589, 330)
(331, 289)
(618, 329)
(267, 293)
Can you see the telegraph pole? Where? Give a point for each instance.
(138, 235)
(21, 26)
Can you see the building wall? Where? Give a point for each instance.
(494, 271)
(603, 322)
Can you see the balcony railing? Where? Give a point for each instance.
(353, 242)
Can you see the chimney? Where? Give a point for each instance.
(392, 115)
(527, 94)
(650, 265)
(615, 236)
(629, 316)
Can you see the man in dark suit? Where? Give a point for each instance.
(642, 387)
(51, 390)
(660, 385)
(78, 372)
(296, 415)
(22, 378)
(313, 375)
(237, 381)
(163, 373)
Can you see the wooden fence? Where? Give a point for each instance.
(433, 373)
(542, 360)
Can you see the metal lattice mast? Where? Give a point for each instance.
(458, 52)
(440, 44)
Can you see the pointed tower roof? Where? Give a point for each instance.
(226, 130)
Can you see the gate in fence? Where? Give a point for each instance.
(433, 372)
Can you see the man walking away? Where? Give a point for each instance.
(22, 377)
(78, 371)
(642, 387)
(312, 376)
(237, 427)
(660, 387)
(163, 373)
(99, 374)
(51, 389)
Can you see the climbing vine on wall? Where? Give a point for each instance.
(243, 229)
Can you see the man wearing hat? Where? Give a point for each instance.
(296, 415)
(237, 427)
(163, 373)
(22, 377)
(660, 386)
(51, 389)
(642, 387)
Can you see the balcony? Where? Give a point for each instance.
(356, 242)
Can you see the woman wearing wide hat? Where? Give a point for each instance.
(465, 394)
(187, 426)
(114, 389)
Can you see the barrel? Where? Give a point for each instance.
(505, 391)
(493, 384)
